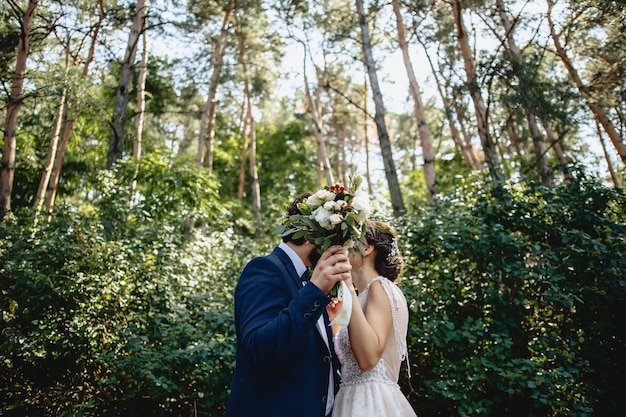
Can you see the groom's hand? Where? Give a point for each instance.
(333, 266)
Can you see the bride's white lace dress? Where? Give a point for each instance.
(375, 393)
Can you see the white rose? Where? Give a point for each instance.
(335, 219)
(340, 204)
(348, 244)
(329, 205)
(322, 216)
(325, 195)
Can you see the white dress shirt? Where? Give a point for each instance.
(300, 268)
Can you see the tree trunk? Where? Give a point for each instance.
(469, 149)
(366, 135)
(418, 108)
(606, 156)
(207, 123)
(7, 168)
(340, 153)
(555, 142)
(379, 117)
(254, 176)
(489, 148)
(513, 137)
(459, 135)
(118, 136)
(517, 61)
(540, 150)
(598, 111)
(244, 151)
(465, 149)
(141, 98)
(68, 125)
(323, 162)
(52, 150)
(141, 104)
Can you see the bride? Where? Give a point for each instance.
(373, 345)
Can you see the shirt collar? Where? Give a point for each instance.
(295, 259)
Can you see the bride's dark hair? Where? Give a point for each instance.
(388, 261)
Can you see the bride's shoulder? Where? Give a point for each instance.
(378, 287)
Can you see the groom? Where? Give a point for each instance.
(285, 361)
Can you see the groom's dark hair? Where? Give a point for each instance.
(290, 211)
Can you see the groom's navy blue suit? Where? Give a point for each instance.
(282, 362)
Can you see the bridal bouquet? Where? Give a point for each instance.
(334, 215)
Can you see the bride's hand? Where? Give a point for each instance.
(334, 310)
(334, 307)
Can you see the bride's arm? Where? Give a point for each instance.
(370, 329)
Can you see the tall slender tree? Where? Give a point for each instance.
(68, 123)
(141, 102)
(463, 143)
(606, 156)
(244, 150)
(7, 169)
(598, 111)
(418, 107)
(366, 138)
(489, 148)
(314, 109)
(517, 62)
(555, 142)
(379, 117)
(206, 139)
(54, 142)
(118, 134)
(141, 95)
(254, 175)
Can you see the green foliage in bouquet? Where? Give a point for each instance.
(334, 215)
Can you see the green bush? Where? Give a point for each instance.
(516, 294)
(97, 327)
(121, 309)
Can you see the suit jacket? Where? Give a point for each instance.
(282, 362)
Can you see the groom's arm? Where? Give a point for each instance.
(276, 316)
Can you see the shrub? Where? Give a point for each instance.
(516, 294)
(121, 309)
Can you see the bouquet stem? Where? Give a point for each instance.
(334, 291)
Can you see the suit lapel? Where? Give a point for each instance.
(291, 270)
(329, 329)
(284, 258)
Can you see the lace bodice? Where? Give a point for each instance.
(388, 367)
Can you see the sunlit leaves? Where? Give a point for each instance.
(514, 292)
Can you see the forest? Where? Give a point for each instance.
(150, 148)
